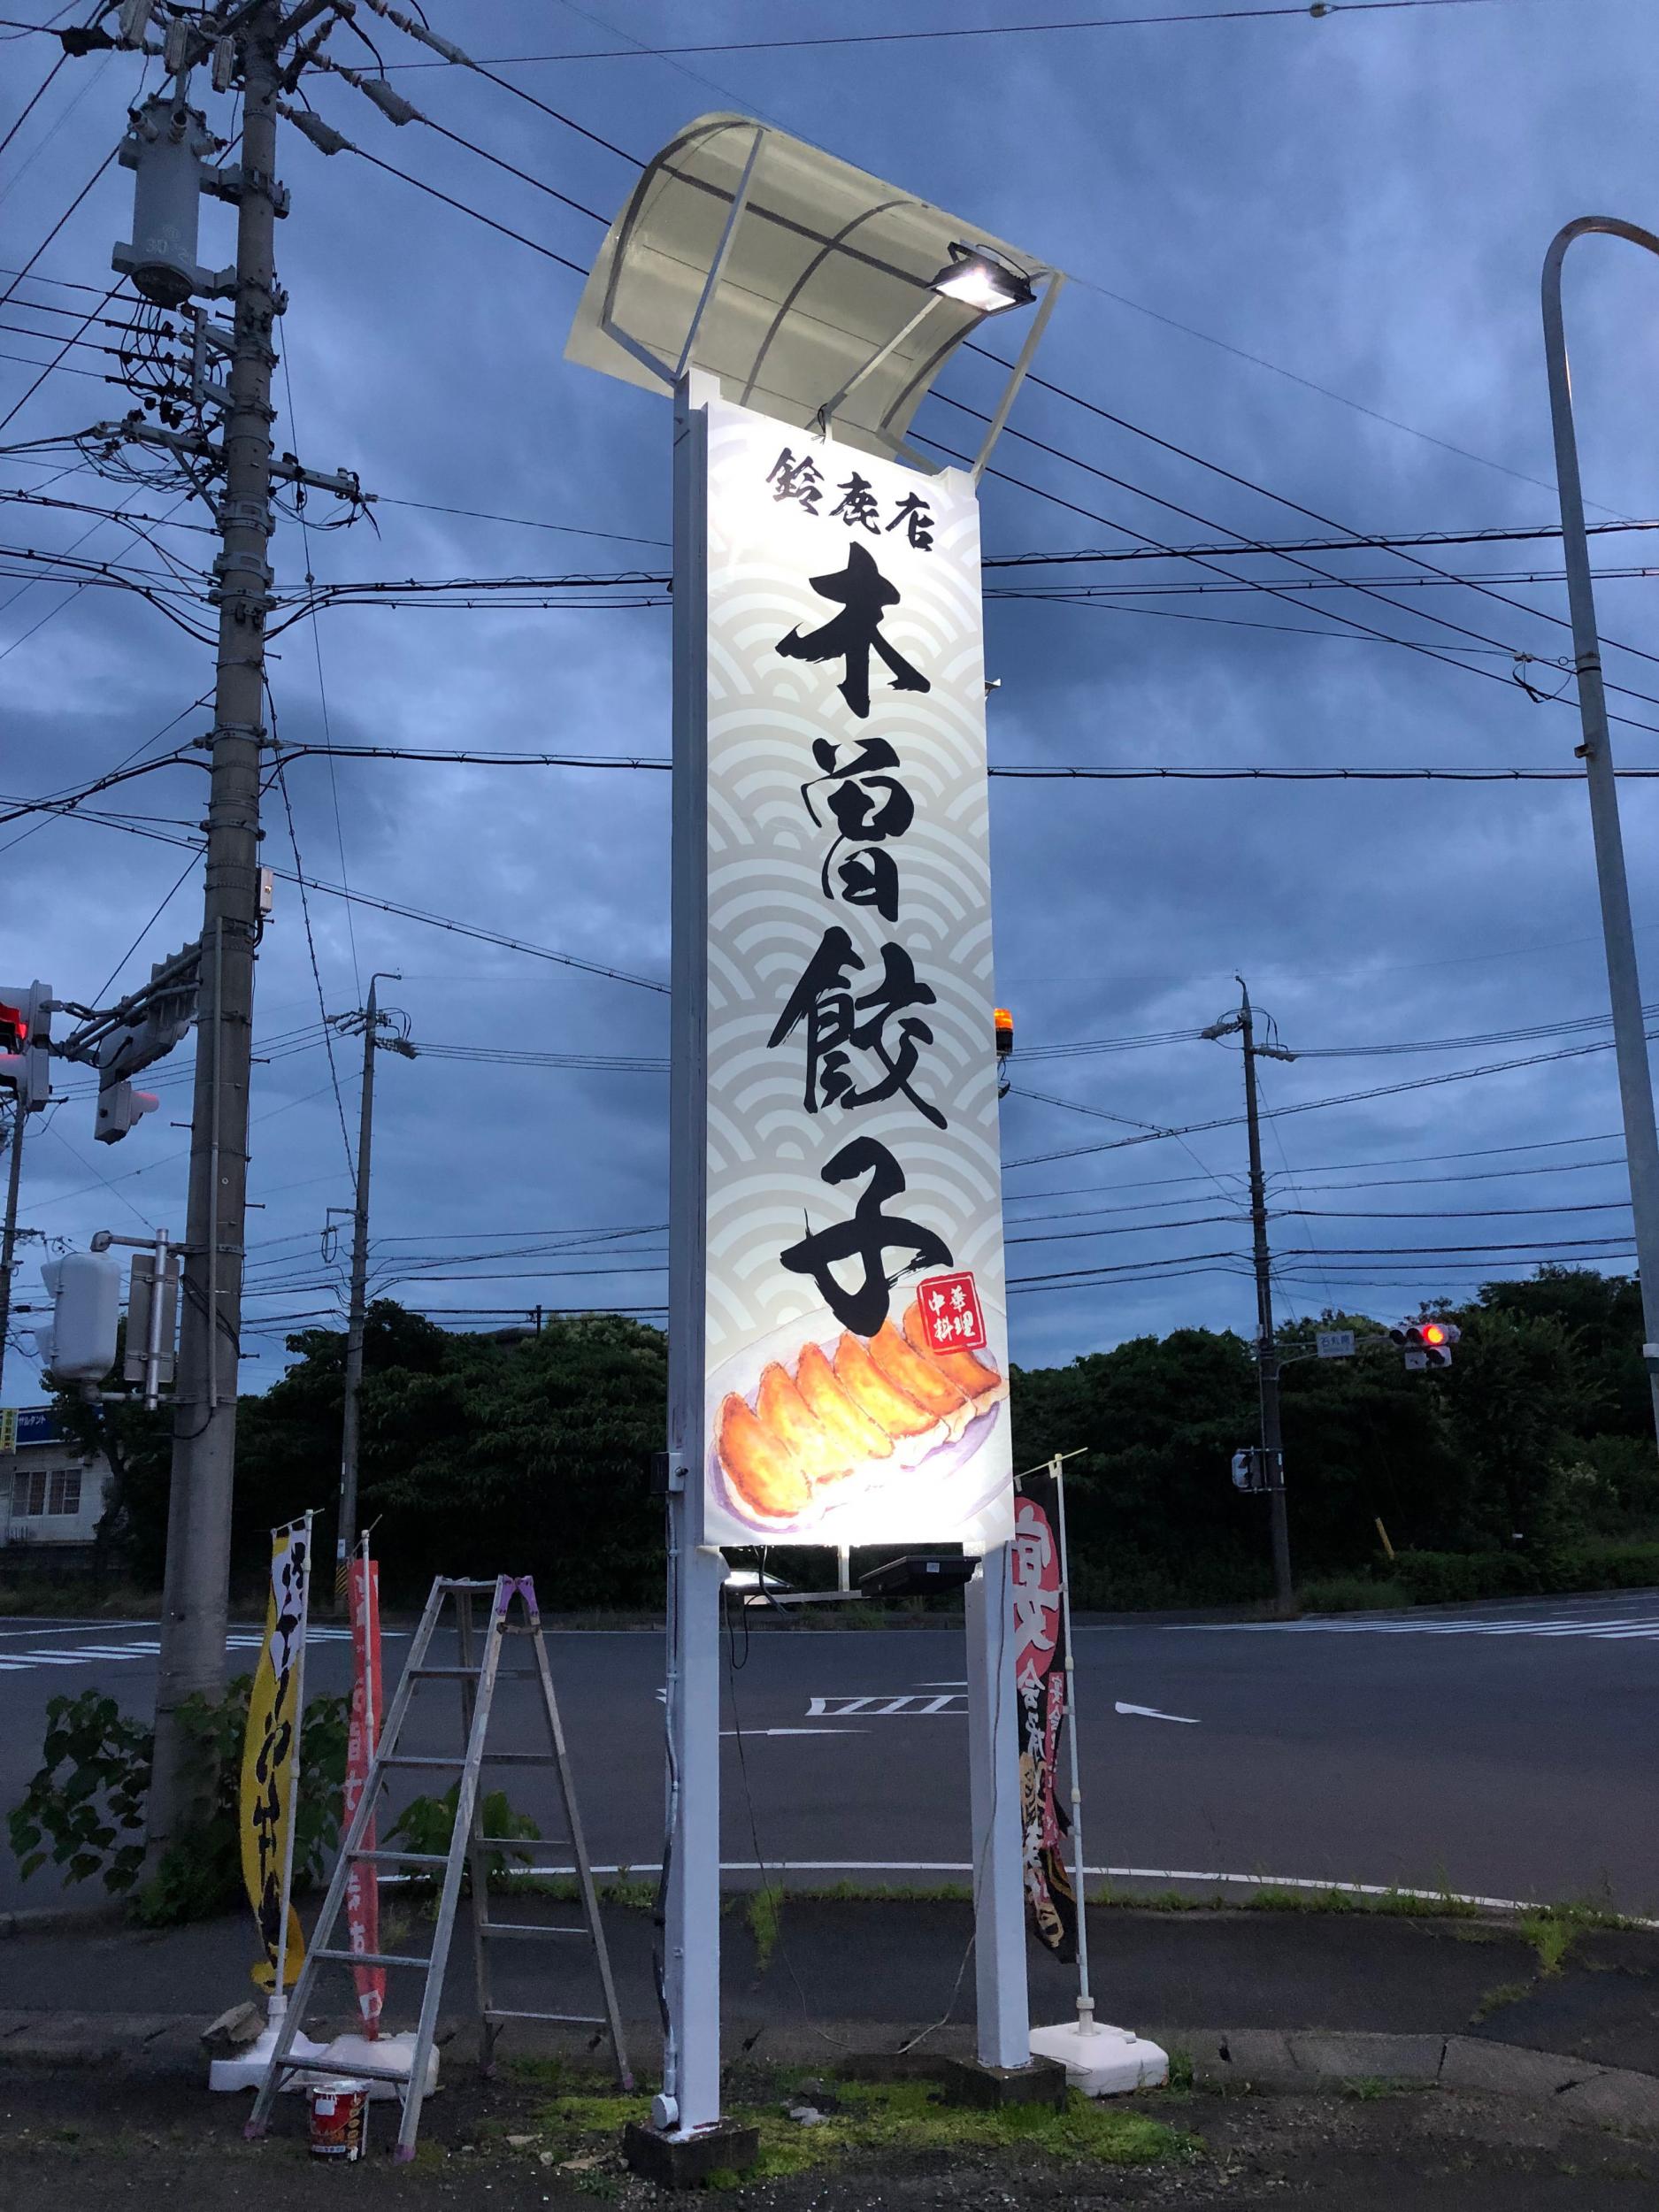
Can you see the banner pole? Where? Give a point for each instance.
(1084, 1995)
(279, 2004)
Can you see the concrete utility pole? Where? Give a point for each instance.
(9, 1235)
(1624, 981)
(1266, 1348)
(346, 1537)
(196, 1596)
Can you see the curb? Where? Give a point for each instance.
(1248, 2060)
(110, 1912)
(1252, 2059)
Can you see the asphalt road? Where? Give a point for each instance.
(1504, 1751)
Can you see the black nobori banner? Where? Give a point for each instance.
(1039, 1683)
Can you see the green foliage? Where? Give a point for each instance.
(428, 1825)
(877, 2122)
(534, 1456)
(84, 1808)
(764, 1914)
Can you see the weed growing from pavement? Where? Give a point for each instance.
(1553, 1930)
(765, 1915)
(1273, 1897)
(861, 2118)
(1366, 2088)
(1495, 1999)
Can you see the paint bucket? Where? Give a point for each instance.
(339, 2118)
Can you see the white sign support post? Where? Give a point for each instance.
(690, 2099)
(1003, 2014)
(838, 1355)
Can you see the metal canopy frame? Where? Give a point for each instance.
(814, 299)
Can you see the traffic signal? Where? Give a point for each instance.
(26, 1028)
(1427, 1344)
(121, 1108)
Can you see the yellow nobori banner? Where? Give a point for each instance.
(270, 1761)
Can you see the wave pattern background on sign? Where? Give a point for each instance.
(767, 910)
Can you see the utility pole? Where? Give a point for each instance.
(9, 1235)
(1266, 1348)
(346, 1535)
(195, 1600)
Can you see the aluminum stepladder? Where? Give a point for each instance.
(476, 1675)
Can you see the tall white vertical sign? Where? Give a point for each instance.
(854, 1354)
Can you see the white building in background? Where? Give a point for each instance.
(52, 1493)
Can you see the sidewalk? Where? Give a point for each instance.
(876, 1971)
(1414, 2065)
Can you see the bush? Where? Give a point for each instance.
(1461, 1577)
(1352, 1593)
(84, 1809)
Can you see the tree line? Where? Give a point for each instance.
(534, 1456)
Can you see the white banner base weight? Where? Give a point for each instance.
(1101, 2060)
(248, 2068)
(350, 2054)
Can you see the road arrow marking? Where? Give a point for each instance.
(1150, 1712)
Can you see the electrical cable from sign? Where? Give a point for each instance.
(995, 1717)
(733, 1665)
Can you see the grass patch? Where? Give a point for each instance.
(1553, 1930)
(765, 1915)
(875, 2119)
(1273, 1897)
(1366, 2088)
(1495, 1999)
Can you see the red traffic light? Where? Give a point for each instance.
(1433, 1333)
(14, 1028)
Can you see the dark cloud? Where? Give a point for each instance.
(1363, 201)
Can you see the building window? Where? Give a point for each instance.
(41, 1492)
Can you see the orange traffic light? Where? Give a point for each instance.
(1005, 1032)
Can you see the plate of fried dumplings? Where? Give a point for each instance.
(828, 1421)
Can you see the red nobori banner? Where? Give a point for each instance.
(363, 1896)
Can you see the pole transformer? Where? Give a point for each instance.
(196, 1594)
(1266, 1347)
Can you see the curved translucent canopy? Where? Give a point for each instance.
(801, 282)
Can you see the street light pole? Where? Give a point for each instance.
(1630, 1041)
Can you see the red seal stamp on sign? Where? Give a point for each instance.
(952, 1319)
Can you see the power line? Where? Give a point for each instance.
(1272, 590)
(1283, 499)
(1313, 1105)
(953, 32)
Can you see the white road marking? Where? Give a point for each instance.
(1098, 1873)
(101, 1653)
(1600, 1627)
(79, 1628)
(748, 1734)
(1151, 1712)
(907, 1705)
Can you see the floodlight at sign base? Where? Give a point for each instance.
(805, 286)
